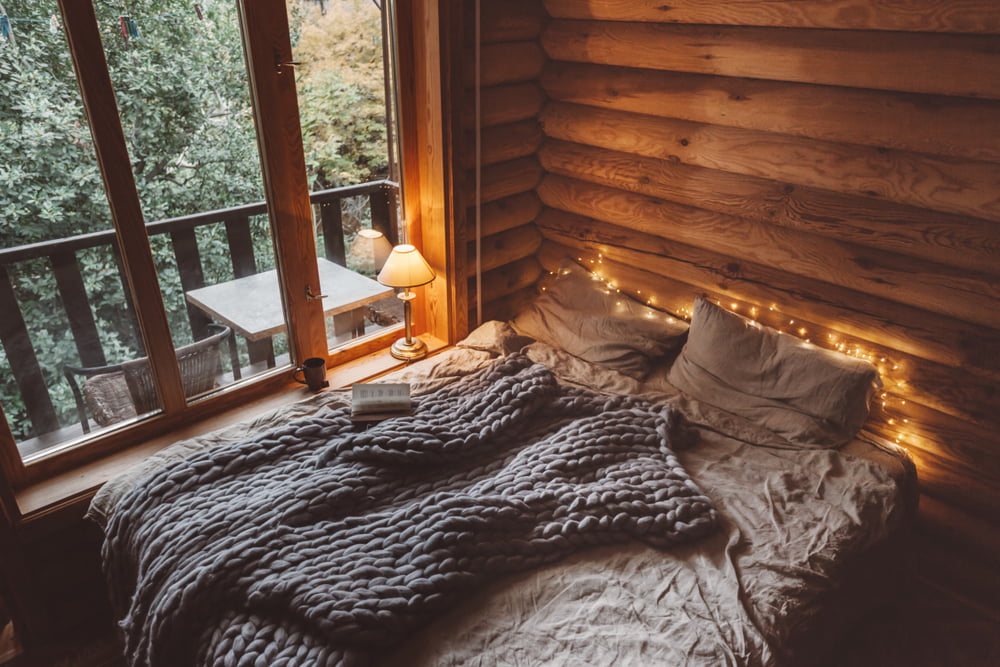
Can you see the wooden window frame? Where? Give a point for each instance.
(426, 128)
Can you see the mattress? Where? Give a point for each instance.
(763, 589)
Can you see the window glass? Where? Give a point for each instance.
(63, 302)
(346, 135)
(182, 88)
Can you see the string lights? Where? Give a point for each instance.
(128, 25)
(889, 402)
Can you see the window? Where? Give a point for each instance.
(148, 272)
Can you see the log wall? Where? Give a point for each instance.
(828, 167)
(510, 135)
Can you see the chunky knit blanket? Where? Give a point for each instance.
(323, 544)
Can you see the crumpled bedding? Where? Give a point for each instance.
(792, 522)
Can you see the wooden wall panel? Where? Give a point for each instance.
(956, 126)
(928, 63)
(968, 16)
(509, 136)
(832, 163)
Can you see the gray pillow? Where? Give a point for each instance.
(581, 315)
(810, 396)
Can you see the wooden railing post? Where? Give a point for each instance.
(332, 222)
(74, 299)
(382, 210)
(185, 245)
(23, 362)
(244, 264)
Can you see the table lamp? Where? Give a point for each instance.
(404, 269)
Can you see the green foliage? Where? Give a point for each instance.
(183, 100)
(342, 93)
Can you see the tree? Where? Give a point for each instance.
(182, 95)
(184, 104)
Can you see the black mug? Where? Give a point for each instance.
(314, 373)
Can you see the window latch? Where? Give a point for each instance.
(312, 297)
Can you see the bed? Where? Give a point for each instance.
(774, 522)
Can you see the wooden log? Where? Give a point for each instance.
(506, 308)
(937, 288)
(505, 247)
(976, 16)
(506, 179)
(900, 329)
(500, 105)
(942, 435)
(938, 64)
(503, 214)
(953, 126)
(955, 480)
(511, 20)
(948, 185)
(504, 142)
(505, 280)
(957, 241)
(507, 62)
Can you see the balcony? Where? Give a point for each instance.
(41, 425)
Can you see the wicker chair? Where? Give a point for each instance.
(118, 392)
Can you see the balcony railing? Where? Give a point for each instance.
(62, 256)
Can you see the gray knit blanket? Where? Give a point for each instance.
(321, 543)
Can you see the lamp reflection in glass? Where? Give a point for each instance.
(369, 250)
(406, 268)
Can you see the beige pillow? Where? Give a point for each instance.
(810, 396)
(581, 315)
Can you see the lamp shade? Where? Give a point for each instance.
(405, 268)
(369, 250)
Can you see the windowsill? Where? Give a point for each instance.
(67, 495)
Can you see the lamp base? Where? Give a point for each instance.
(408, 351)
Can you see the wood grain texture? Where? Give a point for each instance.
(951, 16)
(954, 240)
(508, 279)
(506, 247)
(905, 62)
(511, 20)
(501, 143)
(504, 214)
(942, 184)
(506, 179)
(941, 289)
(506, 63)
(951, 126)
(504, 104)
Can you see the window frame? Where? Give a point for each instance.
(424, 109)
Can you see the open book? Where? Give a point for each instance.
(372, 401)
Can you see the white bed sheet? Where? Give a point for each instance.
(791, 521)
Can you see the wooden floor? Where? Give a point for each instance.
(924, 628)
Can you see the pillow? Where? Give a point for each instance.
(810, 396)
(581, 315)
